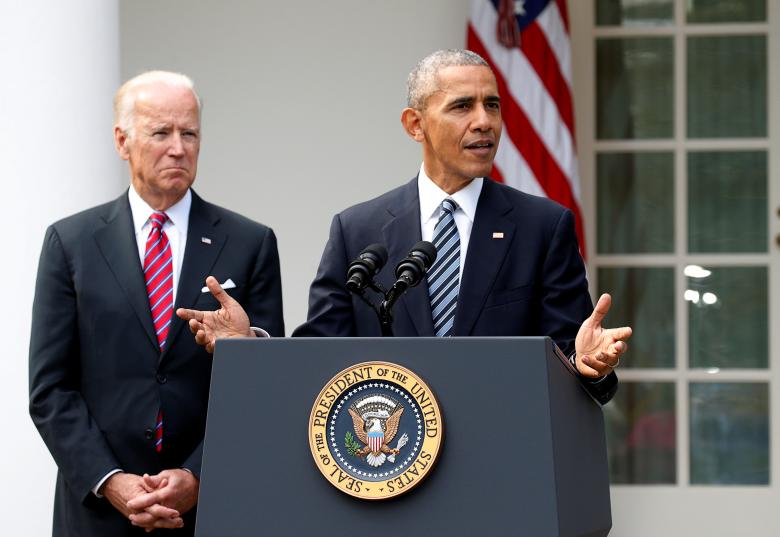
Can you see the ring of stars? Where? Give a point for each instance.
(342, 458)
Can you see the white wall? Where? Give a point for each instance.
(302, 104)
(60, 67)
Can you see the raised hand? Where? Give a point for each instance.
(230, 320)
(599, 348)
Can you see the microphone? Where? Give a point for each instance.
(412, 268)
(362, 270)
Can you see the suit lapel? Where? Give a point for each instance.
(199, 259)
(401, 233)
(116, 241)
(485, 255)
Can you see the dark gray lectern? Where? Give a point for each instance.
(524, 450)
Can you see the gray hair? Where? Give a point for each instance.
(422, 81)
(126, 95)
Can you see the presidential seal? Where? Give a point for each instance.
(375, 430)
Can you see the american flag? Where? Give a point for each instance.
(527, 45)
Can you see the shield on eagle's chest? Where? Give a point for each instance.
(375, 440)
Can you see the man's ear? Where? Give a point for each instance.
(412, 119)
(120, 142)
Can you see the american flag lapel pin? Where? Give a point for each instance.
(498, 234)
(205, 240)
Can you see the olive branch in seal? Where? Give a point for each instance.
(352, 445)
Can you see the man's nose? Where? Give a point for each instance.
(481, 120)
(176, 146)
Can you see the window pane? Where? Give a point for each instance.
(729, 434)
(634, 88)
(727, 86)
(641, 435)
(644, 300)
(633, 189)
(727, 201)
(633, 12)
(728, 317)
(726, 11)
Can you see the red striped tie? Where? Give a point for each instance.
(158, 272)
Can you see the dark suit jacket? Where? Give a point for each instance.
(97, 378)
(531, 282)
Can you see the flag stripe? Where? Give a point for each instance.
(542, 59)
(551, 24)
(524, 137)
(537, 153)
(508, 158)
(564, 14)
(525, 88)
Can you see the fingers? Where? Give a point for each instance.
(186, 314)
(201, 338)
(603, 363)
(624, 332)
(590, 367)
(159, 511)
(222, 297)
(152, 482)
(596, 366)
(601, 309)
(143, 501)
(615, 350)
(194, 326)
(149, 521)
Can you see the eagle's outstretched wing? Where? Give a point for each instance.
(359, 425)
(391, 425)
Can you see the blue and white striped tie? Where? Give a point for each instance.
(444, 275)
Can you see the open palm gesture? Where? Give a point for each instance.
(599, 348)
(230, 320)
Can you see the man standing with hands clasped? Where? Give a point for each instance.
(118, 390)
(508, 263)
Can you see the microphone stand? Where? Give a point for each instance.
(384, 311)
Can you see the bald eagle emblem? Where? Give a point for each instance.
(375, 419)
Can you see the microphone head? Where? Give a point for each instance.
(362, 270)
(379, 252)
(428, 251)
(412, 268)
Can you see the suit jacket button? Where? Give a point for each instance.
(162, 379)
(149, 433)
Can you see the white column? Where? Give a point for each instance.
(60, 67)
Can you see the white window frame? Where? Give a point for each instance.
(684, 509)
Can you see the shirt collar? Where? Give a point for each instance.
(431, 196)
(178, 213)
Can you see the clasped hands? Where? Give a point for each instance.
(156, 501)
(598, 348)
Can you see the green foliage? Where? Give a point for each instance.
(351, 444)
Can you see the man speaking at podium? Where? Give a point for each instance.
(118, 389)
(508, 263)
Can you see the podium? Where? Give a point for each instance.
(524, 451)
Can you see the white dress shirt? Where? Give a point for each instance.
(431, 197)
(175, 228)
